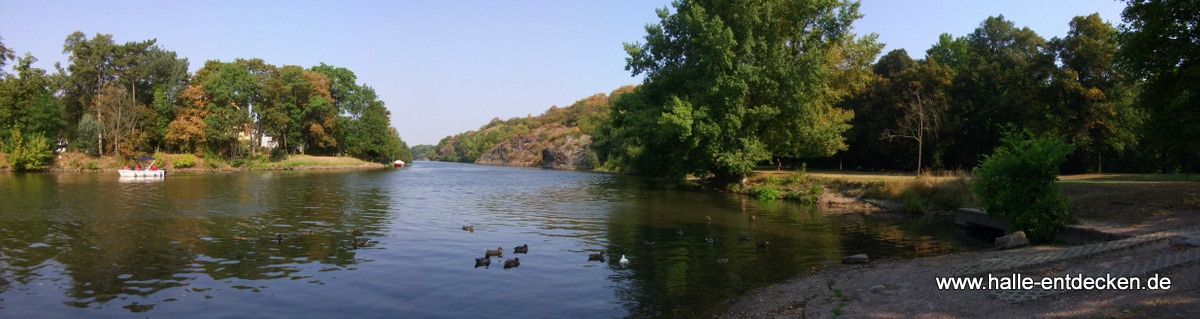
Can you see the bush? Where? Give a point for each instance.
(1019, 181)
(28, 153)
(912, 202)
(183, 161)
(768, 194)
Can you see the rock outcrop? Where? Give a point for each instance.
(554, 146)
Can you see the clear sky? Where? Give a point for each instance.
(445, 67)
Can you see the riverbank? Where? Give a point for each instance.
(1155, 212)
(78, 162)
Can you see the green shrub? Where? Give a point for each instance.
(28, 153)
(183, 161)
(912, 202)
(1019, 181)
(768, 194)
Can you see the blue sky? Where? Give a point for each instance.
(445, 67)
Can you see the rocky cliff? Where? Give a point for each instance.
(552, 146)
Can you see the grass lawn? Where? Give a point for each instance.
(1119, 199)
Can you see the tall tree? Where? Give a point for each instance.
(95, 63)
(731, 83)
(921, 93)
(6, 54)
(1161, 46)
(123, 114)
(1096, 111)
(1003, 86)
(188, 131)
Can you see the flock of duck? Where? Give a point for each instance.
(486, 260)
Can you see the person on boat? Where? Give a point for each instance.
(138, 167)
(154, 167)
(127, 167)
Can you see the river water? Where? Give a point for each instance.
(76, 245)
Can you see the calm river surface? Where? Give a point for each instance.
(76, 245)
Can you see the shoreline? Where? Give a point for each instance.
(907, 288)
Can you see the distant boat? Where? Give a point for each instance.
(148, 171)
(398, 163)
(142, 173)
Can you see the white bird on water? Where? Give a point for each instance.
(624, 261)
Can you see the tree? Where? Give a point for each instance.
(1161, 45)
(923, 90)
(123, 113)
(95, 63)
(164, 77)
(27, 102)
(1004, 84)
(6, 55)
(729, 84)
(188, 131)
(1096, 110)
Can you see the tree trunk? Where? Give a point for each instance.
(99, 119)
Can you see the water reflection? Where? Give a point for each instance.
(281, 244)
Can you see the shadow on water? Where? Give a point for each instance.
(139, 244)
(282, 244)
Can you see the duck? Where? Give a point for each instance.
(596, 257)
(522, 249)
(679, 233)
(648, 243)
(356, 232)
(743, 238)
(624, 261)
(512, 263)
(361, 242)
(279, 238)
(762, 244)
(499, 252)
(483, 261)
(753, 218)
(710, 240)
(708, 218)
(469, 228)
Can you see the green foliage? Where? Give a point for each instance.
(1019, 181)
(1160, 41)
(27, 101)
(766, 193)
(729, 84)
(183, 161)
(912, 202)
(27, 152)
(422, 152)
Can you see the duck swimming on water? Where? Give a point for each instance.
(596, 257)
(499, 252)
(511, 263)
(483, 261)
(522, 249)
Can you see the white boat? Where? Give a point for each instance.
(142, 173)
(151, 170)
(398, 163)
